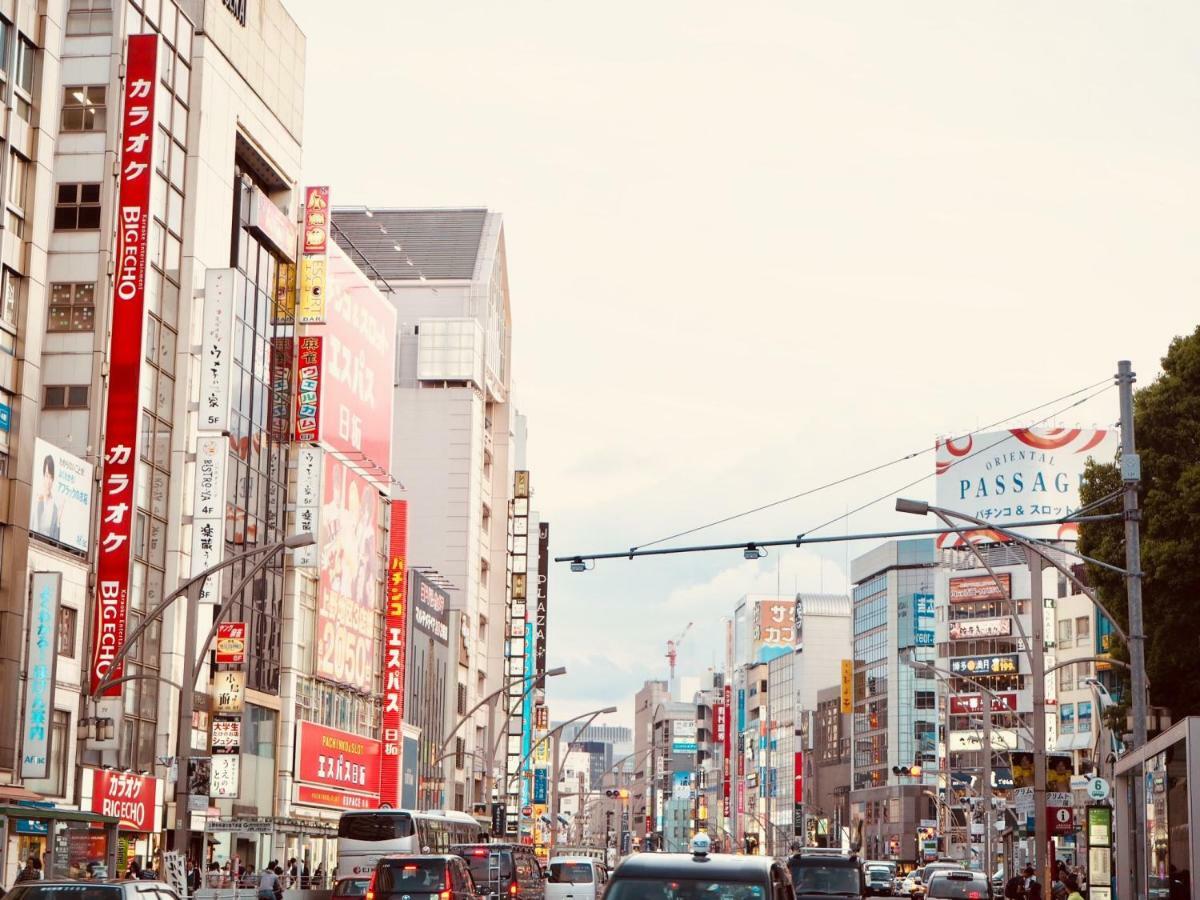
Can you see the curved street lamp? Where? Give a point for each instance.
(191, 590)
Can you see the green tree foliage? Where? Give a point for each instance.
(1167, 429)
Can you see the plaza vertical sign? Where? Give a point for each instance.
(394, 624)
(543, 584)
(123, 406)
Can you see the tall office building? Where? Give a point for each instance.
(128, 217)
(895, 715)
(446, 274)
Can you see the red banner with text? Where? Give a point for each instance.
(391, 778)
(123, 403)
(335, 762)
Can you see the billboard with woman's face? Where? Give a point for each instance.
(61, 507)
(349, 585)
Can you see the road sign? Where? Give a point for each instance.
(1098, 790)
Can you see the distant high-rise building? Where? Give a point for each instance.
(895, 708)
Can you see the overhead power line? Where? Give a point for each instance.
(879, 468)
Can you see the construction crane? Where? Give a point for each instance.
(673, 650)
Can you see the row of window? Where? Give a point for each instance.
(1080, 629)
(1066, 717)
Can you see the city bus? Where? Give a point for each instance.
(365, 836)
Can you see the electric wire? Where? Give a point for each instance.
(872, 470)
(925, 477)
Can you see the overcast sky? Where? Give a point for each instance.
(756, 246)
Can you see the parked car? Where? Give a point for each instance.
(509, 870)
(70, 889)
(575, 878)
(822, 873)
(958, 884)
(421, 877)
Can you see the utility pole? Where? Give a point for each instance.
(1038, 663)
(986, 790)
(1131, 476)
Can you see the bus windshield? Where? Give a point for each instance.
(375, 826)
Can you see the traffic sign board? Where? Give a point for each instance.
(1098, 789)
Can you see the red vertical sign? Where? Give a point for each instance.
(798, 762)
(728, 749)
(394, 625)
(308, 389)
(122, 409)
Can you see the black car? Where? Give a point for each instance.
(958, 884)
(826, 873)
(424, 877)
(697, 876)
(511, 871)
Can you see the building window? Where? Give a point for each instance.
(24, 77)
(460, 753)
(72, 307)
(1064, 632)
(5, 31)
(462, 699)
(77, 207)
(11, 299)
(18, 179)
(89, 17)
(1085, 716)
(1083, 627)
(67, 620)
(1066, 678)
(84, 108)
(65, 396)
(1066, 718)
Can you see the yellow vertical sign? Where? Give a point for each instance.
(847, 685)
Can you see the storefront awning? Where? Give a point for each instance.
(1076, 741)
(12, 792)
(58, 815)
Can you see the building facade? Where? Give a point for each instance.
(895, 717)
(446, 273)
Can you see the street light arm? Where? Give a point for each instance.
(290, 542)
(1041, 549)
(537, 682)
(225, 608)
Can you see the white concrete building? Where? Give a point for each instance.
(453, 447)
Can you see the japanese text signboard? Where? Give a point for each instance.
(965, 704)
(980, 587)
(430, 609)
(347, 598)
(231, 643)
(41, 654)
(316, 219)
(208, 510)
(1020, 474)
(337, 761)
(216, 355)
(971, 629)
(394, 649)
(309, 469)
(123, 408)
(1000, 664)
(726, 739)
(134, 799)
(358, 353)
(308, 388)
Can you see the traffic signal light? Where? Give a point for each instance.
(617, 793)
(913, 771)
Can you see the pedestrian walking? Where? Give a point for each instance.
(268, 884)
(32, 870)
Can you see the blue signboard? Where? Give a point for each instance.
(5, 416)
(539, 785)
(924, 638)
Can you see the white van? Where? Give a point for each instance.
(575, 878)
